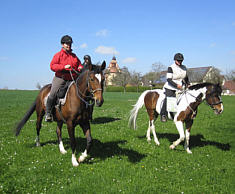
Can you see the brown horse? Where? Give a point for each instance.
(187, 105)
(89, 85)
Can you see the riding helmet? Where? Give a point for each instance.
(66, 39)
(87, 57)
(179, 57)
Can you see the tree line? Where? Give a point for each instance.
(126, 78)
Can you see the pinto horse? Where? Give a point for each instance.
(187, 104)
(75, 110)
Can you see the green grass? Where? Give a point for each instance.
(121, 160)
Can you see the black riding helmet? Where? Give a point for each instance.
(87, 57)
(179, 57)
(66, 40)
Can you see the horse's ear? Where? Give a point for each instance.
(103, 65)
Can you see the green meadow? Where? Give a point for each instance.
(121, 159)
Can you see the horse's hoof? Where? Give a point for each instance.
(38, 144)
(63, 151)
(188, 151)
(81, 159)
(75, 164)
(172, 147)
(148, 140)
(157, 143)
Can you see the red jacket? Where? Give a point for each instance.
(63, 58)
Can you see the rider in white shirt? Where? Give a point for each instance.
(176, 79)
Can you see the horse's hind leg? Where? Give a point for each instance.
(152, 116)
(40, 114)
(87, 132)
(59, 133)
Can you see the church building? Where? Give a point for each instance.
(112, 71)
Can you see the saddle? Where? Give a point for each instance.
(62, 91)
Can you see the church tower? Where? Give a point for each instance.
(111, 71)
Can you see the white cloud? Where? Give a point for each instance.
(129, 60)
(103, 32)
(106, 50)
(84, 45)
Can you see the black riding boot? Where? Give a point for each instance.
(49, 105)
(163, 112)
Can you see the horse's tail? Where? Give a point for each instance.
(25, 118)
(135, 110)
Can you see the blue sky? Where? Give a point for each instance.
(138, 33)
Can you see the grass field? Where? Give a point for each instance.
(121, 160)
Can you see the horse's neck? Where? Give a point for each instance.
(195, 96)
(82, 83)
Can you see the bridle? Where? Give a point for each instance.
(213, 104)
(80, 95)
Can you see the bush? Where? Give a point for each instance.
(131, 88)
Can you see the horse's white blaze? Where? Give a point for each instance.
(222, 108)
(98, 76)
(61, 146)
(74, 161)
(83, 156)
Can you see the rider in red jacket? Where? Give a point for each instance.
(64, 63)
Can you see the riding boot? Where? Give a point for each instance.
(163, 112)
(49, 105)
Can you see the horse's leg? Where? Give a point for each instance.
(189, 124)
(154, 133)
(71, 130)
(151, 113)
(148, 132)
(180, 128)
(87, 132)
(59, 133)
(40, 114)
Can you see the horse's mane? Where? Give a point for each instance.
(80, 77)
(200, 85)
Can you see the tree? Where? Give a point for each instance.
(135, 79)
(38, 86)
(122, 78)
(214, 76)
(154, 74)
(230, 75)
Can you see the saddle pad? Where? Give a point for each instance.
(61, 100)
(171, 104)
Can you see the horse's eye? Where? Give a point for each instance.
(92, 79)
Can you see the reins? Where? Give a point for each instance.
(185, 92)
(78, 90)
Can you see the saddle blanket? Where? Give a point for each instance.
(60, 101)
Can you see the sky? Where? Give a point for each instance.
(139, 33)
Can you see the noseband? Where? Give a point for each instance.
(213, 104)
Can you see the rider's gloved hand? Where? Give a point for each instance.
(67, 66)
